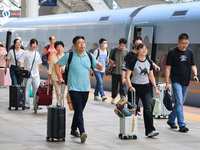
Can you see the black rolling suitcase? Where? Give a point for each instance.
(56, 120)
(16, 97)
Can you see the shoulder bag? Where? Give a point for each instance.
(26, 73)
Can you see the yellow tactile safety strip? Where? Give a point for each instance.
(191, 116)
(188, 116)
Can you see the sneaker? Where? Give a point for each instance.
(104, 98)
(183, 129)
(113, 101)
(153, 133)
(75, 133)
(97, 98)
(172, 125)
(83, 137)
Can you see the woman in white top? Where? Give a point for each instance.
(12, 54)
(26, 60)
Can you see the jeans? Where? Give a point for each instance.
(99, 86)
(116, 80)
(79, 100)
(34, 81)
(180, 93)
(16, 80)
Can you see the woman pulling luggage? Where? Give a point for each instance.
(142, 71)
(30, 60)
(59, 46)
(12, 61)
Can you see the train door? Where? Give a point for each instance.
(146, 33)
(8, 40)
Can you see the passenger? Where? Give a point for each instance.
(180, 62)
(3, 57)
(13, 46)
(142, 71)
(119, 55)
(50, 49)
(78, 82)
(95, 46)
(101, 55)
(14, 55)
(59, 45)
(31, 59)
(128, 58)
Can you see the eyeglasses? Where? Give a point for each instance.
(144, 49)
(184, 43)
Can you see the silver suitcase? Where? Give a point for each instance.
(129, 125)
(161, 87)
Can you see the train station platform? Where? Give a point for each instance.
(23, 129)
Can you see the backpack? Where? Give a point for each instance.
(65, 74)
(98, 52)
(45, 57)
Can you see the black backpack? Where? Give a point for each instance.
(45, 57)
(65, 74)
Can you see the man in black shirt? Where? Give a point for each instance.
(180, 62)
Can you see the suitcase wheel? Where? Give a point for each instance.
(52, 140)
(23, 108)
(120, 136)
(9, 108)
(16, 108)
(166, 117)
(157, 117)
(47, 139)
(63, 139)
(135, 137)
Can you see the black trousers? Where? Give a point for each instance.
(147, 109)
(116, 81)
(79, 100)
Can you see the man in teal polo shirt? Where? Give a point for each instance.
(78, 82)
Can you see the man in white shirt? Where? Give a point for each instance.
(101, 54)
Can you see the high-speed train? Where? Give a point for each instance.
(158, 25)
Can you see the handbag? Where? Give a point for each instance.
(156, 107)
(167, 100)
(109, 67)
(22, 72)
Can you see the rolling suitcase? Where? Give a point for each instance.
(161, 87)
(129, 125)
(56, 120)
(44, 96)
(16, 97)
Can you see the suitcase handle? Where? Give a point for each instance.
(62, 86)
(133, 98)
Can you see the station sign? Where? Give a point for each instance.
(48, 2)
(10, 13)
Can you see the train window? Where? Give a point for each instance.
(104, 18)
(180, 13)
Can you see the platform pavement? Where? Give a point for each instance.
(22, 130)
